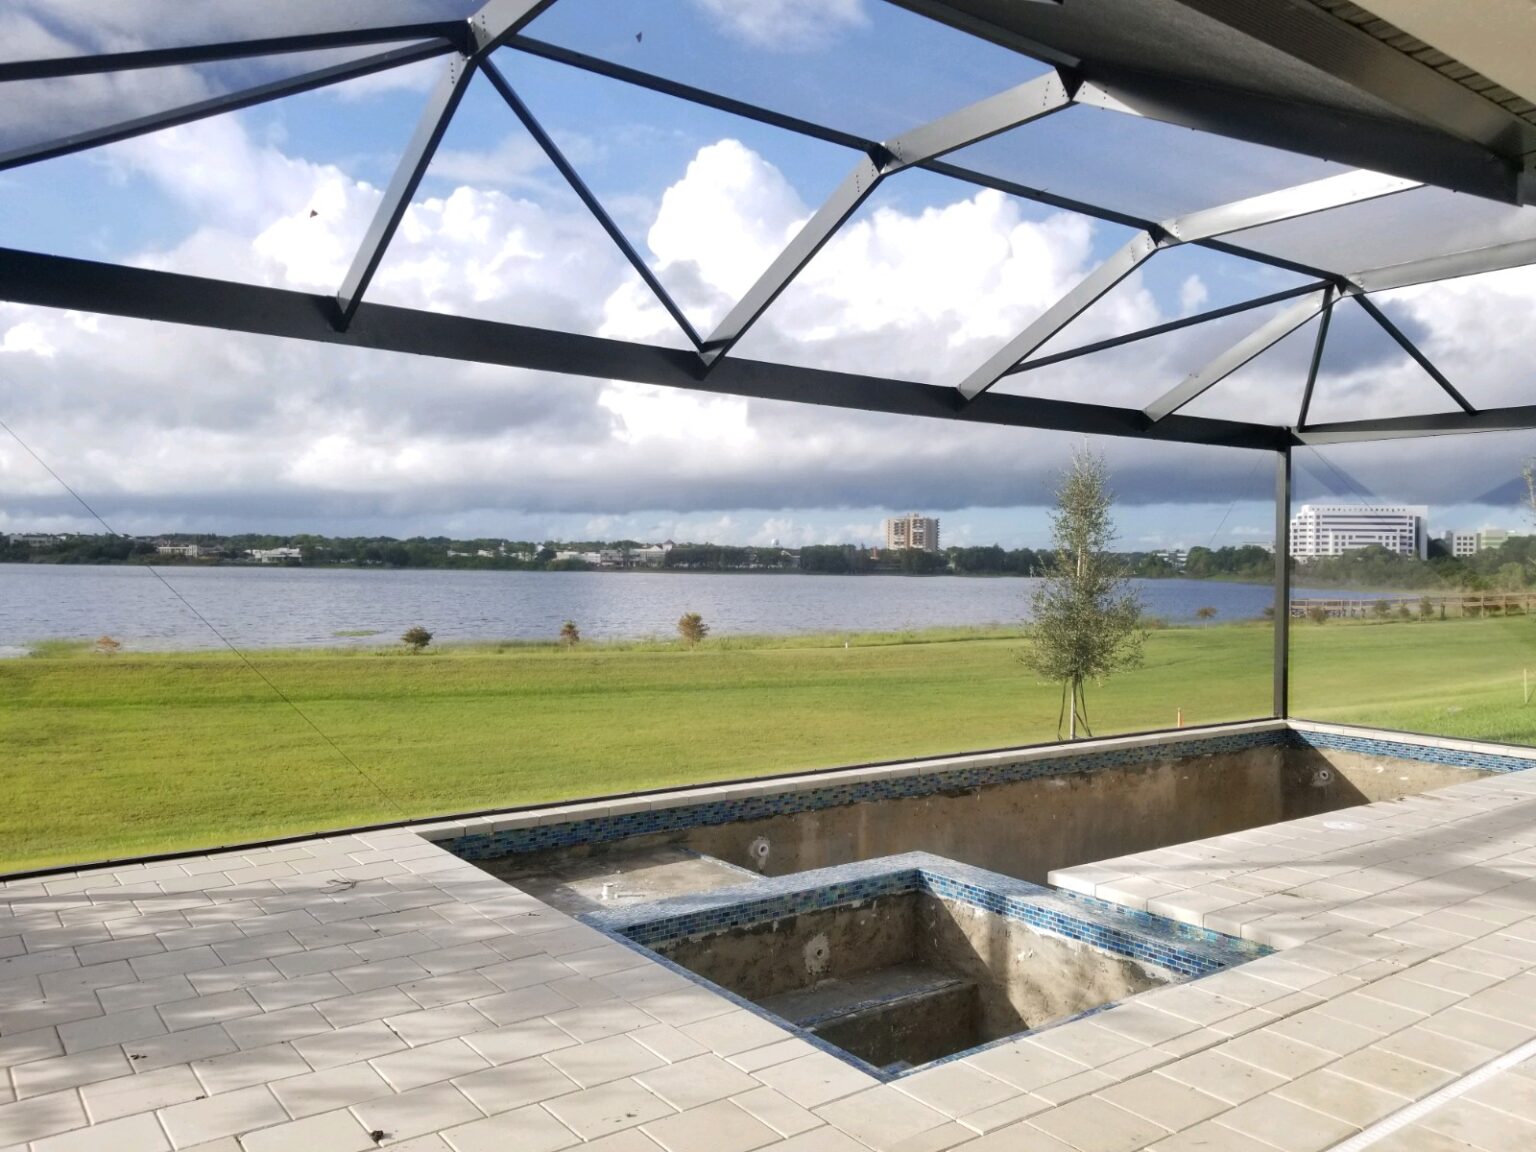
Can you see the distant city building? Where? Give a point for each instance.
(1332, 529)
(1471, 543)
(275, 555)
(912, 531)
(34, 539)
(1174, 557)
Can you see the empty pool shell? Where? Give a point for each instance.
(897, 962)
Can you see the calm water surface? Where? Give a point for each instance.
(286, 607)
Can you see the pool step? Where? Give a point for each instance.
(907, 1012)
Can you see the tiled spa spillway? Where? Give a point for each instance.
(901, 961)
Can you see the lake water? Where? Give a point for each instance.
(287, 607)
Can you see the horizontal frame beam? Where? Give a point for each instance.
(450, 33)
(1516, 419)
(218, 105)
(147, 294)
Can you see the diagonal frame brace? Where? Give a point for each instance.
(989, 117)
(1167, 326)
(1318, 346)
(1091, 288)
(1196, 227)
(1266, 336)
(588, 197)
(489, 28)
(1413, 350)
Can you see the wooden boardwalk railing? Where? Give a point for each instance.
(1440, 605)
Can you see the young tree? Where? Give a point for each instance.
(1206, 615)
(107, 646)
(1087, 618)
(416, 638)
(570, 635)
(691, 627)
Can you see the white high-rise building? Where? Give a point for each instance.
(912, 531)
(1471, 543)
(1333, 529)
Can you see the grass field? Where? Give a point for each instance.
(131, 754)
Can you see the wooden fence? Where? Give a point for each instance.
(1439, 605)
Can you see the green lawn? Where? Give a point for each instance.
(109, 757)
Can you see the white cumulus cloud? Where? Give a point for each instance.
(786, 25)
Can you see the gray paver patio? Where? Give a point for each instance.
(247, 1002)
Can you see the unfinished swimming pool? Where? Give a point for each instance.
(1020, 813)
(891, 913)
(901, 961)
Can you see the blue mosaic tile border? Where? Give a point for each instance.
(1180, 949)
(1410, 750)
(606, 829)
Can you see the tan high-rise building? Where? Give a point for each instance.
(912, 531)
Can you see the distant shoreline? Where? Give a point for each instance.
(179, 563)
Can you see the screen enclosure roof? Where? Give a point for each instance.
(1414, 167)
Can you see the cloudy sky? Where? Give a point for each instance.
(165, 428)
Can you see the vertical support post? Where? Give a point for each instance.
(1283, 583)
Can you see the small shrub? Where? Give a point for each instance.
(1404, 612)
(108, 646)
(1472, 610)
(1205, 615)
(691, 627)
(416, 638)
(570, 635)
(1269, 611)
(1381, 609)
(1426, 608)
(1317, 614)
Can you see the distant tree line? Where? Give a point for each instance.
(1510, 568)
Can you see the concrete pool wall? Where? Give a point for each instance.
(1021, 813)
(897, 962)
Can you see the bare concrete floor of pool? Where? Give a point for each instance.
(581, 884)
(366, 990)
